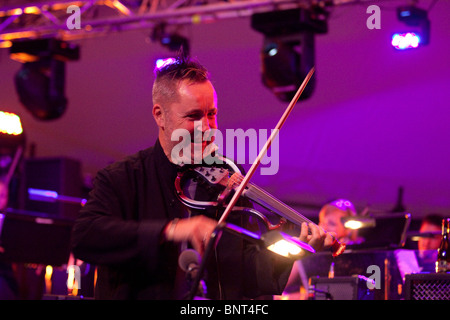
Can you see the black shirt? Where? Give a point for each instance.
(119, 229)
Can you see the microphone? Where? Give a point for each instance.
(189, 261)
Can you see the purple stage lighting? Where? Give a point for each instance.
(402, 41)
(160, 63)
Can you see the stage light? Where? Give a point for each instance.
(284, 248)
(418, 32)
(272, 50)
(10, 123)
(355, 223)
(40, 83)
(171, 40)
(40, 86)
(283, 67)
(11, 133)
(416, 235)
(175, 41)
(411, 15)
(12, 142)
(276, 241)
(288, 51)
(162, 62)
(284, 245)
(402, 41)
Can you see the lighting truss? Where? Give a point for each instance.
(33, 19)
(48, 19)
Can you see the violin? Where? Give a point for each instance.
(221, 183)
(231, 186)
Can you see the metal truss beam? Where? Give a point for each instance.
(48, 19)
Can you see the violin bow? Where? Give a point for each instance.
(266, 146)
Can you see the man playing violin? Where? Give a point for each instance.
(133, 226)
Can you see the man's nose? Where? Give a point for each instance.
(205, 123)
(202, 125)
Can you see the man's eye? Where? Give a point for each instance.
(194, 116)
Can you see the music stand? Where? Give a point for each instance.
(35, 238)
(389, 232)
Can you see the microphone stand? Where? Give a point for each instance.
(212, 242)
(208, 250)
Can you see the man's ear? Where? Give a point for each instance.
(158, 115)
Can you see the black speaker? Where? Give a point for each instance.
(60, 175)
(427, 286)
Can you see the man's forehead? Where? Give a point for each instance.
(189, 86)
(197, 96)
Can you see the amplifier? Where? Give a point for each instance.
(341, 288)
(427, 286)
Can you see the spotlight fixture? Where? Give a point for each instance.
(10, 123)
(40, 83)
(285, 245)
(402, 41)
(288, 51)
(162, 62)
(171, 40)
(175, 42)
(418, 32)
(356, 223)
(276, 241)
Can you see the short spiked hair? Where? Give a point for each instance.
(169, 77)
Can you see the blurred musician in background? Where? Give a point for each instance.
(429, 239)
(330, 219)
(431, 224)
(8, 284)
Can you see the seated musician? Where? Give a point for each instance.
(133, 226)
(423, 259)
(330, 219)
(8, 282)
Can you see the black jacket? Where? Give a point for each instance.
(119, 230)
